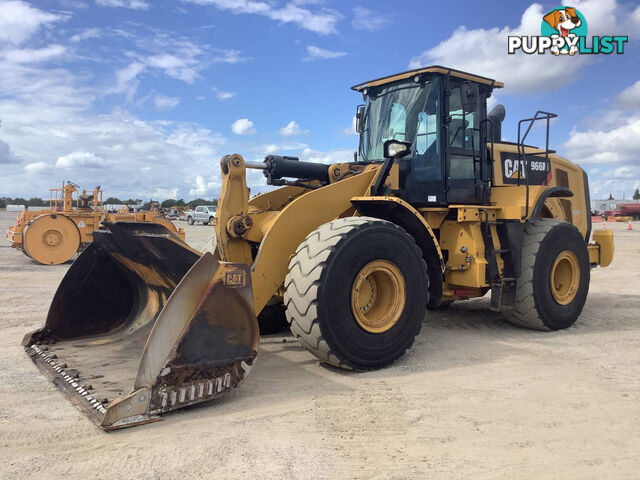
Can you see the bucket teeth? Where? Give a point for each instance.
(69, 378)
(169, 397)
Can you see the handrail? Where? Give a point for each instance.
(539, 115)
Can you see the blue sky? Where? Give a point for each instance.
(144, 97)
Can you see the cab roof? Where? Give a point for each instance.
(432, 69)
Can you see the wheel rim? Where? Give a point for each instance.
(565, 277)
(378, 296)
(51, 239)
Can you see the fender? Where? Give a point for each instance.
(548, 193)
(405, 215)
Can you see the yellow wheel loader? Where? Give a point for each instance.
(53, 236)
(436, 208)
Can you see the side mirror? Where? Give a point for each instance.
(469, 96)
(396, 149)
(360, 118)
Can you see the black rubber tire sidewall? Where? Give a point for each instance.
(560, 238)
(190, 220)
(353, 345)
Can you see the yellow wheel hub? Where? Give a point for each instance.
(378, 296)
(565, 277)
(51, 239)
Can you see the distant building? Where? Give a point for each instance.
(15, 208)
(608, 205)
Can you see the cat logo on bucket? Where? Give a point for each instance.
(235, 278)
(564, 32)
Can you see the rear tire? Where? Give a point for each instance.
(554, 278)
(356, 292)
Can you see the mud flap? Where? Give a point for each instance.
(142, 325)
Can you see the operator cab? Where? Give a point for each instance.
(441, 115)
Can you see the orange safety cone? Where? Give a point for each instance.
(629, 227)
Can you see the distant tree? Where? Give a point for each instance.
(200, 201)
(636, 194)
(611, 197)
(3, 202)
(19, 201)
(35, 202)
(113, 200)
(168, 203)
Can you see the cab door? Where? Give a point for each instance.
(465, 149)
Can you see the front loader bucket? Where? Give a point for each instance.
(141, 325)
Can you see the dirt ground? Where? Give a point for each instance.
(474, 398)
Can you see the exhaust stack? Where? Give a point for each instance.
(496, 115)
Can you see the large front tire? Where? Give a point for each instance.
(356, 292)
(554, 278)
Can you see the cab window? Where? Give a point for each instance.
(464, 137)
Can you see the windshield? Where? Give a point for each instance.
(409, 113)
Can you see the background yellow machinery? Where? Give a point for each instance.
(53, 236)
(436, 209)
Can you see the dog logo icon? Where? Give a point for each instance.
(564, 23)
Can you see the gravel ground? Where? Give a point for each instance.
(474, 398)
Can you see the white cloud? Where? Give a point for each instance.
(228, 56)
(196, 141)
(164, 102)
(180, 68)
(126, 79)
(623, 173)
(365, 19)
(174, 56)
(260, 151)
(243, 126)
(292, 129)
(332, 156)
(616, 146)
(80, 159)
(55, 118)
(629, 98)
(352, 129)
(220, 95)
(322, 21)
(19, 21)
(484, 51)
(86, 35)
(314, 53)
(204, 187)
(36, 167)
(132, 4)
(6, 154)
(32, 55)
